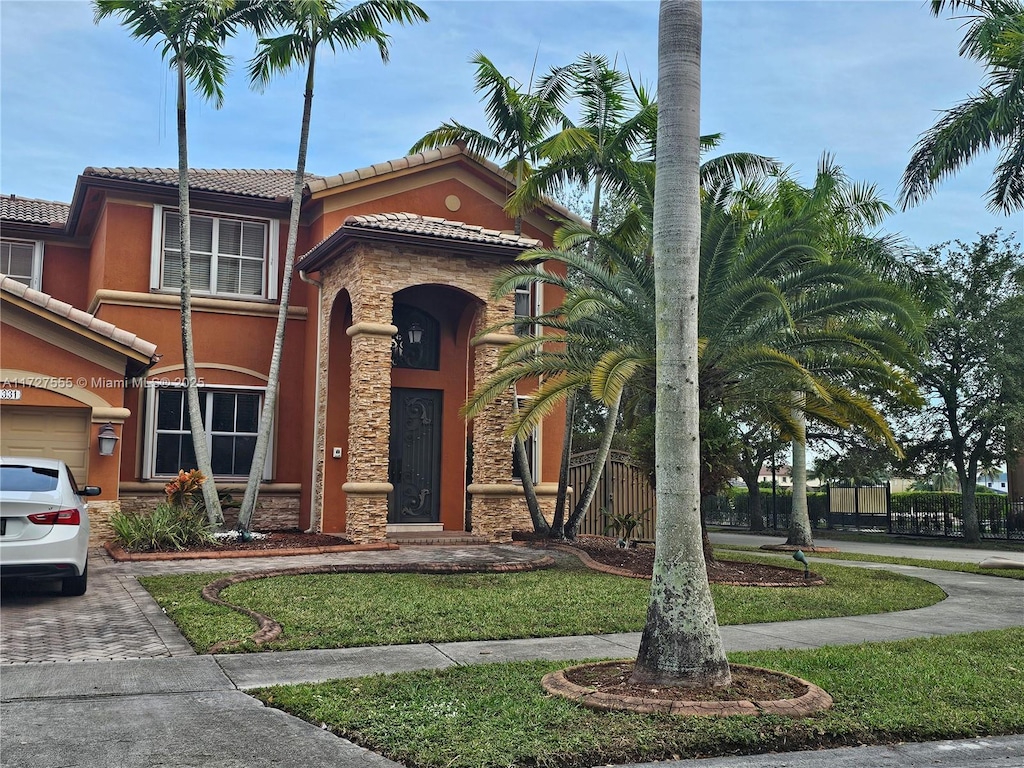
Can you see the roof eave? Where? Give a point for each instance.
(276, 207)
(347, 236)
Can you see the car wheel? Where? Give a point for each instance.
(74, 586)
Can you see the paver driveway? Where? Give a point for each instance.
(117, 619)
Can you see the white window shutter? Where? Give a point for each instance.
(273, 240)
(156, 248)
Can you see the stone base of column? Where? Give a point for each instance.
(366, 512)
(498, 509)
(100, 513)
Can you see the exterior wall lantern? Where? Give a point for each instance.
(415, 334)
(107, 439)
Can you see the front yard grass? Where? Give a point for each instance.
(349, 610)
(498, 715)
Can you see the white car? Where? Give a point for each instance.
(44, 525)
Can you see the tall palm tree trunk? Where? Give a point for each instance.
(274, 376)
(681, 644)
(558, 530)
(800, 533)
(587, 496)
(195, 416)
(521, 462)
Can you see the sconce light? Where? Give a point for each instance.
(107, 439)
(415, 333)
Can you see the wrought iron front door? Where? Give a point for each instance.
(414, 461)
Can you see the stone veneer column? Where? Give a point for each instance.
(369, 431)
(497, 505)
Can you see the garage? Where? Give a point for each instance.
(54, 433)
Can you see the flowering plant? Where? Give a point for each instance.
(186, 489)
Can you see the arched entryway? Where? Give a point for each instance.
(431, 377)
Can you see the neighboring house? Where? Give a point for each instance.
(382, 347)
(783, 476)
(996, 481)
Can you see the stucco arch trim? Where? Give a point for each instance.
(156, 372)
(61, 386)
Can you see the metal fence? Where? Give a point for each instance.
(874, 509)
(625, 489)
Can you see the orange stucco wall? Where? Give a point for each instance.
(72, 380)
(121, 249)
(230, 350)
(336, 428)
(63, 266)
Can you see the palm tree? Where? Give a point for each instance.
(605, 334)
(520, 120)
(681, 644)
(613, 130)
(991, 118)
(597, 152)
(190, 35)
(307, 26)
(846, 213)
(774, 317)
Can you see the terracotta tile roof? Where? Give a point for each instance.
(432, 226)
(268, 184)
(30, 211)
(390, 166)
(422, 158)
(77, 316)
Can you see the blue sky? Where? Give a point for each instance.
(859, 79)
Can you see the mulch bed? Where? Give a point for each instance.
(748, 684)
(290, 541)
(292, 538)
(599, 552)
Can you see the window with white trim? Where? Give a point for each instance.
(231, 418)
(527, 305)
(530, 443)
(22, 260)
(230, 256)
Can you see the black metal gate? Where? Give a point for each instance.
(414, 461)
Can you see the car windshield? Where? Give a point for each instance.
(18, 477)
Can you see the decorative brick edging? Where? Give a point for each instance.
(118, 553)
(814, 581)
(593, 564)
(814, 700)
(270, 630)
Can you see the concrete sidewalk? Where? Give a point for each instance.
(190, 710)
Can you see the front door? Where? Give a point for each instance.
(414, 461)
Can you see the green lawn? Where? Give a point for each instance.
(494, 716)
(348, 610)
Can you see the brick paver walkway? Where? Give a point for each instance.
(117, 619)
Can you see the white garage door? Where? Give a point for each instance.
(55, 433)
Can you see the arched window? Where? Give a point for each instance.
(417, 343)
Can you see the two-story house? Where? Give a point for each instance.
(383, 340)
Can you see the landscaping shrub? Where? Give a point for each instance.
(168, 526)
